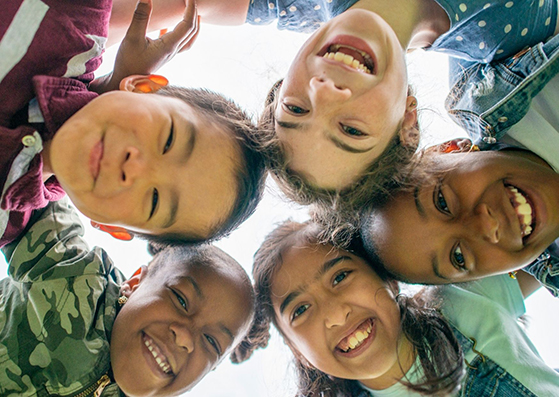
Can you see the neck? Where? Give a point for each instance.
(47, 168)
(406, 358)
(417, 23)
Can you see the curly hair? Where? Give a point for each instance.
(337, 210)
(438, 351)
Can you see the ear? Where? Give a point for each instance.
(143, 84)
(117, 232)
(129, 286)
(459, 145)
(410, 129)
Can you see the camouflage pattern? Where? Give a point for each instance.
(57, 308)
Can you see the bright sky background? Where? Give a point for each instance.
(243, 63)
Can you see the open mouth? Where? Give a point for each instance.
(95, 158)
(357, 338)
(524, 211)
(351, 52)
(159, 358)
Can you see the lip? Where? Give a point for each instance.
(539, 213)
(363, 346)
(350, 41)
(150, 360)
(95, 157)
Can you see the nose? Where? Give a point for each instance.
(182, 336)
(486, 223)
(132, 167)
(324, 89)
(336, 313)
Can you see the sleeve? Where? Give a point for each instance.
(546, 269)
(53, 247)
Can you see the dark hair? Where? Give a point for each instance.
(337, 210)
(250, 172)
(439, 353)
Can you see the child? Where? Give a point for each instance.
(72, 325)
(97, 147)
(350, 329)
(463, 216)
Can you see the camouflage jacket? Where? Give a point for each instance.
(57, 309)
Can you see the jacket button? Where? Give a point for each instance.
(28, 140)
(503, 119)
(489, 139)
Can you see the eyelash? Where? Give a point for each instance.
(154, 202)
(337, 278)
(351, 131)
(170, 140)
(459, 264)
(295, 110)
(213, 343)
(182, 301)
(297, 312)
(440, 201)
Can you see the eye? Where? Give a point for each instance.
(340, 277)
(352, 131)
(440, 201)
(296, 110)
(213, 342)
(457, 258)
(299, 310)
(154, 202)
(183, 302)
(170, 139)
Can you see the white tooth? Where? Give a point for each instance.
(331, 55)
(339, 56)
(348, 59)
(528, 230)
(158, 360)
(520, 198)
(524, 209)
(528, 219)
(150, 348)
(359, 336)
(355, 64)
(353, 342)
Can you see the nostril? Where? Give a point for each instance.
(127, 155)
(123, 177)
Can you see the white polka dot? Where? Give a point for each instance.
(303, 23)
(457, 17)
(257, 20)
(508, 28)
(500, 51)
(271, 6)
(481, 24)
(485, 7)
(283, 13)
(328, 1)
(459, 38)
(317, 7)
(547, 21)
(509, 4)
(481, 45)
(292, 8)
(463, 7)
(541, 3)
(524, 32)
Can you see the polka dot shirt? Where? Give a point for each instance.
(484, 30)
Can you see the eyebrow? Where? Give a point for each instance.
(338, 143)
(323, 269)
(418, 204)
(226, 331)
(174, 200)
(196, 286)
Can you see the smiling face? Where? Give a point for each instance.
(339, 315)
(343, 99)
(176, 327)
(492, 213)
(149, 163)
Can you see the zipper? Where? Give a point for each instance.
(96, 388)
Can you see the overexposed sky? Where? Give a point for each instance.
(243, 63)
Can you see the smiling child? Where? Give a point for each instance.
(71, 323)
(354, 333)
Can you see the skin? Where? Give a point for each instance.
(186, 324)
(316, 309)
(148, 143)
(472, 210)
(329, 114)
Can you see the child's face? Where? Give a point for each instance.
(470, 224)
(147, 162)
(324, 299)
(190, 316)
(333, 119)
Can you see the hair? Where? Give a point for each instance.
(439, 353)
(337, 210)
(201, 255)
(251, 172)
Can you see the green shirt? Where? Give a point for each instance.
(57, 308)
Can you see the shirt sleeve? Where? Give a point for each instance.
(546, 269)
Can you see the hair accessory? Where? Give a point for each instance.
(117, 232)
(513, 275)
(122, 300)
(413, 104)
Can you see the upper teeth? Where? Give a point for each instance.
(348, 60)
(354, 340)
(157, 355)
(523, 210)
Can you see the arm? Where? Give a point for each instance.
(167, 12)
(528, 284)
(545, 269)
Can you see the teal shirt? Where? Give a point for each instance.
(57, 308)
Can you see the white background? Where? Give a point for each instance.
(243, 63)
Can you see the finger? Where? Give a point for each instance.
(140, 20)
(185, 28)
(189, 41)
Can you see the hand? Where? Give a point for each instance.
(139, 54)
